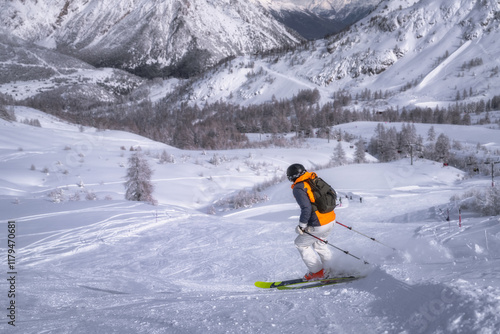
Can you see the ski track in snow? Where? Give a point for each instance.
(124, 267)
(135, 273)
(431, 75)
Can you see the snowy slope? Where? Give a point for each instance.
(415, 52)
(109, 265)
(27, 70)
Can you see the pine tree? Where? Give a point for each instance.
(431, 134)
(492, 201)
(359, 153)
(407, 137)
(389, 145)
(339, 157)
(138, 185)
(377, 140)
(442, 147)
(166, 158)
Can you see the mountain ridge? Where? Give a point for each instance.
(180, 37)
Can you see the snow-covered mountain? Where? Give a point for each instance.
(318, 6)
(426, 52)
(307, 23)
(327, 5)
(29, 70)
(183, 36)
(315, 19)
(340, 8)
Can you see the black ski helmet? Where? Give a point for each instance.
(294, 172)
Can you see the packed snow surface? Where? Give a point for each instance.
(108, 265)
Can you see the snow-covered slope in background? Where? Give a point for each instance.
(28, 70)
(102, 264)
(423, 52)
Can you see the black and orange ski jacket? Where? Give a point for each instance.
(304, 197)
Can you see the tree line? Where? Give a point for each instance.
(223, 125)
(388, 144)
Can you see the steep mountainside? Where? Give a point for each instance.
(28, 70)
(436, 52)
(427, 36)
(181, 37)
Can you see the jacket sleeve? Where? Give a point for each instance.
(300, 194)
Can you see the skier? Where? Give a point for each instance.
(314, 253)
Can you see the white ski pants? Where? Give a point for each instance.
(314, 252)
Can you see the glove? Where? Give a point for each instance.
(301, 228)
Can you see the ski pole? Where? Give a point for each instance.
(340, 249)
(371, 238)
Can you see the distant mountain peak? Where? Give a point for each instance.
(328, 5)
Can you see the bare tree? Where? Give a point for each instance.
(138, 185)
